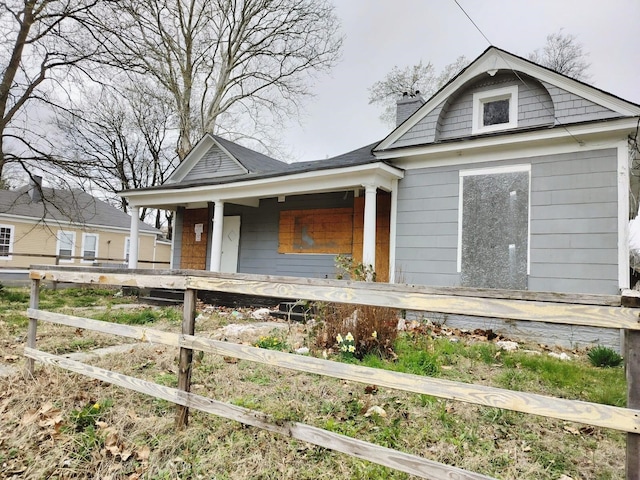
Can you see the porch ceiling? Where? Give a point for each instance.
(250, 192)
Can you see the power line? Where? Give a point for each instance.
(474, 23)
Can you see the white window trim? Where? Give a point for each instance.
(12, 231)
(84, 244)
(480, 98)
(72, 234)
(491, 171)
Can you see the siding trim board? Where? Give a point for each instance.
(592, 135)
(623, 214)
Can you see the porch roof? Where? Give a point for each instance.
(343, 172)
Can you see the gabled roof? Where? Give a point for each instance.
(66, 207)
(262, 166)
(494, 59)
(247, 161)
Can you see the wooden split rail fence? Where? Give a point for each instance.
(617, 312)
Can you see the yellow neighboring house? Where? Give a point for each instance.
(45, 226)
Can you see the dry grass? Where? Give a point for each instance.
(134, 436)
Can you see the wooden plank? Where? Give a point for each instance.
(606, 416)
(34, 301)
(141, 334)
(623, 419)
(630, 298)
(411, 464)
(122, 277)
(322, 230)
(186, 355)
(632, 365)
(584, 299)
(362, 293)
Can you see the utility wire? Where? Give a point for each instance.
(474, 23)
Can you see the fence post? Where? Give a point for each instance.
(34, 301)
(632, 365)
(186, 355)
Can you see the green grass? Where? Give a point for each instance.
(17, 298)
(139, 316)
(578, 379)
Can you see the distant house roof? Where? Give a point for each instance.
(66, 206)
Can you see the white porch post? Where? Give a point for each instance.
(216, 238)
(133, 237)
(369, 234)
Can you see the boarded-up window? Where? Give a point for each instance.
(495, 229)
(327, 230)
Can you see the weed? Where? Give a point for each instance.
(88, 415)
(271, 342)
(604, 357)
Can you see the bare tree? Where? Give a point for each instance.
(119, 140)
(421, 77)
(563, 54)
(42, 42)
(224, 58)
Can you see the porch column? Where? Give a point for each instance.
(133, 237)
(216, 237)
(369, 234)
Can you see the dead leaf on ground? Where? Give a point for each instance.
(573, 431)
(143, 453)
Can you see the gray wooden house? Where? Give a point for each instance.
(510, 176)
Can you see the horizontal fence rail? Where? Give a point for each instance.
(605, 311)
(617, 418)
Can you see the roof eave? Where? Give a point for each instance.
(378, 173)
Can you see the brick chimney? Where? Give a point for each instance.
(407, 105)
(35, 188)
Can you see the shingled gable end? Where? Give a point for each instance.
(510, 176)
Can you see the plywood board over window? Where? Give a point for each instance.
(325, 230)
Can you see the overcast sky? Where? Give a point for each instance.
(383, 33)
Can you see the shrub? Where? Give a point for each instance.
(374, 329)
(604, 357)
(369, 329)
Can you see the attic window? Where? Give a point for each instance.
(495, 110)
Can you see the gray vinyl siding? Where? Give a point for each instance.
(570, 108)
(427, 227)
(534, 105)
(258, 251)
(539, 104)
(573, 223)
(215, 163)
(422, 132)
(177, 238)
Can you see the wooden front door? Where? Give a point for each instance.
(195, 231)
